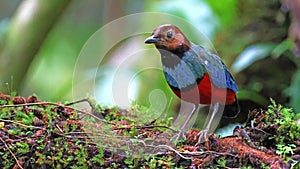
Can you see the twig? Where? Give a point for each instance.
(59, 128)
(93, 106)
(11, 153)
(197, 153)
(90, 135)
(78, 101)
(258, 129)
(24, 125)
(164, 147)
(144, 127)
(171, 149)
(31, 104)
(99, 119)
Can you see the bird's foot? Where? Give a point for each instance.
(202, 137)
(179, 136)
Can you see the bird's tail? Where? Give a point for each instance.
(232, 110)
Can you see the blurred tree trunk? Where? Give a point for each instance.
(113, 10)
(27, 32)
(294, 30)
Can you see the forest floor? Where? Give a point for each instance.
(38, 134)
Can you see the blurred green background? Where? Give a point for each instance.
(258, 40)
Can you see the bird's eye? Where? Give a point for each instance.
(169, 34)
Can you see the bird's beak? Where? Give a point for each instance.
(152, 39)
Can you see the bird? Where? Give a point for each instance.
(194, 74)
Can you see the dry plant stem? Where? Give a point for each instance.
(71, 137)
(59, 128)
(257, 129)
(90, 133)
(190, 154)
(11, 121)
(198, 153)
(11, 153)
(164, 147)
(144, 127)
(79, 101)
(168, 148)
(90, 114)
(183, 154)
(32, 104)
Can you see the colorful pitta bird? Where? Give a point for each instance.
(193, 73)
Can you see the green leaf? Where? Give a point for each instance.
(282, 47)
(251, 54)
(226, 11)
(293, 92)
(253, 96)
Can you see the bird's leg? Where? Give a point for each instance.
(202, 135)
(182, 128)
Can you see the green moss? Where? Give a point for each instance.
(286, 119)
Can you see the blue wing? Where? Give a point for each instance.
(218, 72)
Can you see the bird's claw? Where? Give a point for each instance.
(179, 136)
(202, 136)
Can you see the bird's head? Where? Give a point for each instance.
(169, 37)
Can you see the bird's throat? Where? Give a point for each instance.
(170, 59)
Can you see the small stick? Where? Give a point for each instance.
(11, 121)
(31, 104)
(78, 101)
(144, 127)
(11, 153)
(197, 153)
(171, 149)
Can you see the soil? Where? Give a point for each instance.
(38, 134)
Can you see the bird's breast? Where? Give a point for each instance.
(206, 93)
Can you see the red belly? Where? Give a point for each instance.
(206, 93)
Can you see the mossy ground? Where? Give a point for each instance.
(37, 134)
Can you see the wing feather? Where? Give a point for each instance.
(218, 72)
